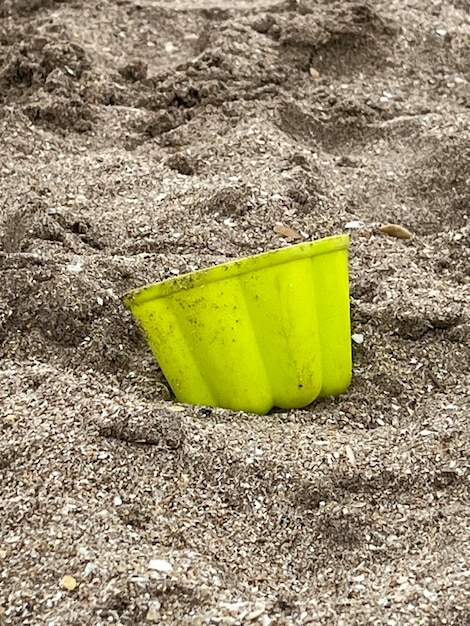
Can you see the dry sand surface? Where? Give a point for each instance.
(141, 139)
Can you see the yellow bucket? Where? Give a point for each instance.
(263, 331)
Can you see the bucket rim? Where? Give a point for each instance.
(232, 269)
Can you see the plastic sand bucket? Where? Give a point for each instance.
(264, 331)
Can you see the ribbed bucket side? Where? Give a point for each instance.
(333, 311)
(207, 347)
(281, 304)
(267, 331)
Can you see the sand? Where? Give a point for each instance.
(142, 139)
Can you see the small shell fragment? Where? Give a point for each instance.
(350, 454)
(254, 615)
(153, 613)
(69, 582)
(285, 231)
(395, 230)
(159, 565)
(176, 408)
(354, 224)
(314, 73)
